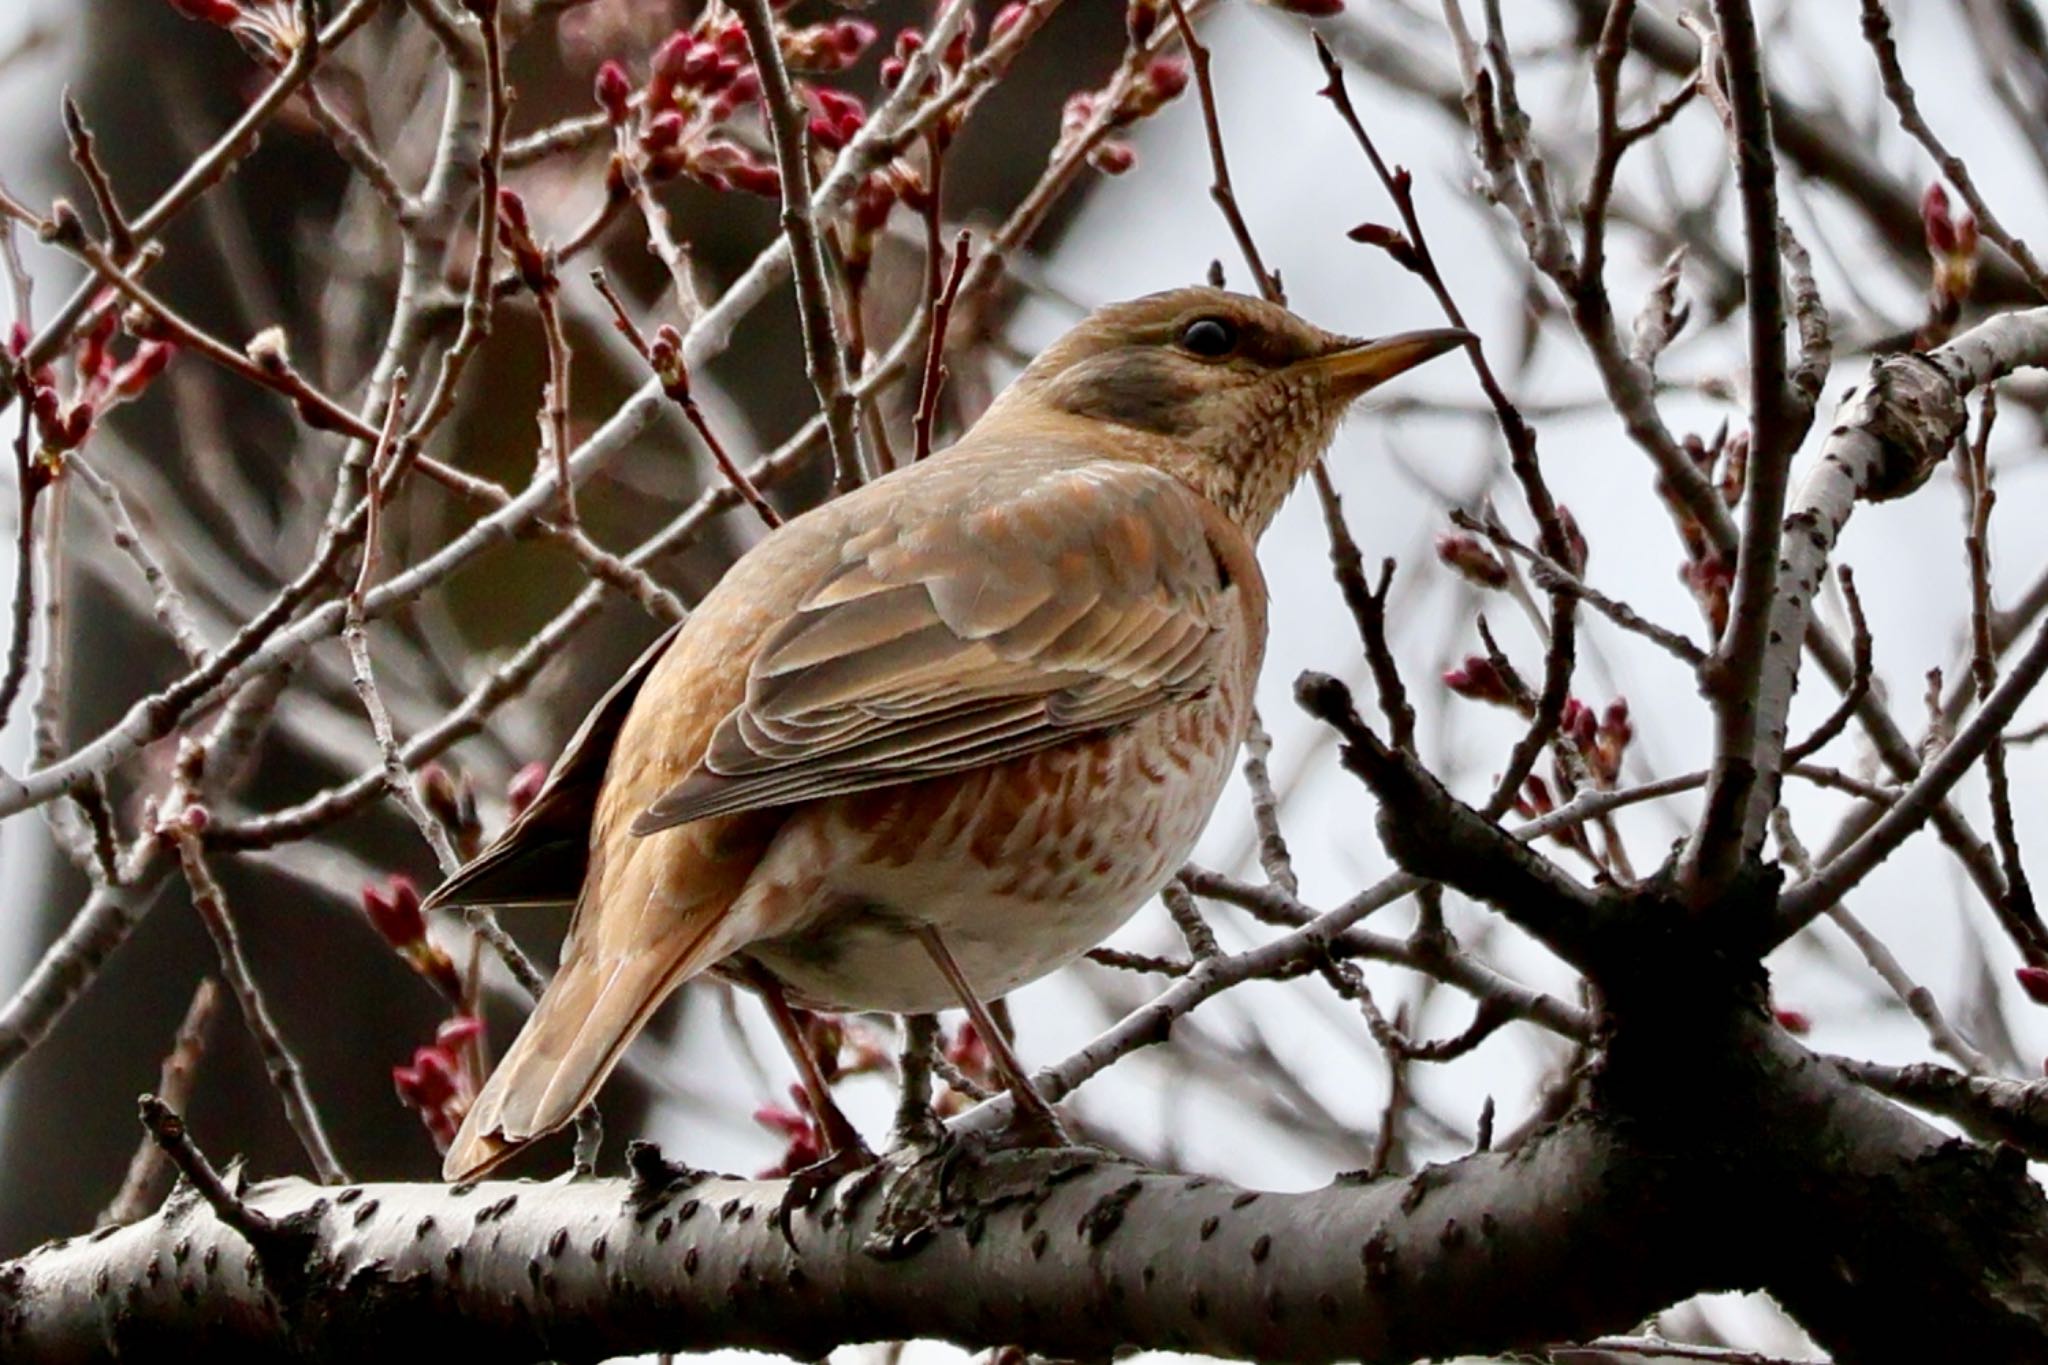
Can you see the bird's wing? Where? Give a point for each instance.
(1037, 603)
(539, 859)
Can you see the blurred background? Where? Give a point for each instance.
(1275, 1085)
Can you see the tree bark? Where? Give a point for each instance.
(1887, 1240)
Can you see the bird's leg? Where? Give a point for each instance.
(1033, 1114)
(842, 1140)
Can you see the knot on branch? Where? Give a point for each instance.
(1914, 410)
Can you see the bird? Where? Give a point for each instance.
(944, 733)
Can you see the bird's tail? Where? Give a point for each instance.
(592, 1009)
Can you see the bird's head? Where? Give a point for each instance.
(1235, 395)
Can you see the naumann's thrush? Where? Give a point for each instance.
(939, 736)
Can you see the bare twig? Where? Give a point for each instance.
(935, 349)
(822, 357)
(143, 1187)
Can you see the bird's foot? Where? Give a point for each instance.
(808, 1183)
(1033, 1123)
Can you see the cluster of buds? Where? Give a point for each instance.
(100, 381)
(1711, 580)
(393, 910)
(1952, 247)
(1535, 800)
(1481, 679)
(699, 78)
(451, 799)
(835, 116)
(842, 1048)
(820, 49)
(442, 1082)
(1602, 740)
(1162, 80)
(878, 195)
(803, 1144)
(951, 59)
(1706, 573)
(1471, 560)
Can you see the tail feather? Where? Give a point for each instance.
(592, 1009)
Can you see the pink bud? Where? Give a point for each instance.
(614, 92)
(1940, 228)
(892, 72)
(221, 12)
(852, 37)
(1113, 158)
(662, 132)
(458, 1032)
(525, 786)
(754, 178)
(2034, 981)
(1794, 1022)
(512, 209)
(1477, 679)
(1007, 18)
(1472, 560)
(1574, 540)
(146, 364)
(1166, 77)
(394, 911)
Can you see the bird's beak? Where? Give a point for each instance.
(1366, 365)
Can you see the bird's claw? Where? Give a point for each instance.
(807, 1184)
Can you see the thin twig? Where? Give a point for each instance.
(143, 1187)
(287, 1078)
(787, 127)
(935, 348)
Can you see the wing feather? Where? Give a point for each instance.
(1020, 617)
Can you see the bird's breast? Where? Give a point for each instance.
(1021, 866)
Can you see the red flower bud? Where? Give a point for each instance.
(1472, 560)
(614, 92)
(525, 786)
(512, 209)
(662, 132)
(1113, 158)
(853, 37)
(1477, 679)
(1574, 540)
(1007, 18)
(1166, 77)
(221, 12)
(1938, 226)
(146, 364)
(394, 911)
(1794, 1022)
(754, 178)
(2034, 981)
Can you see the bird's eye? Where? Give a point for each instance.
(1209, 338)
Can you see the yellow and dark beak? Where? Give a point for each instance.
(1362, 365)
